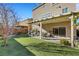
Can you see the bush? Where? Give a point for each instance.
(65, 42)
(76, 43)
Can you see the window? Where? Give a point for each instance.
(55, 31)
(49, 14)
(61, 31)
(65, 10)
(46, 15)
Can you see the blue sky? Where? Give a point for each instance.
(24, 10)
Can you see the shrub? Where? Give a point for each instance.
(65, 42)
(76, 43)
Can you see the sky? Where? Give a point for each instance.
(24, 10)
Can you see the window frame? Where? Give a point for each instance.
(65, 10)
(61, 33)
(58, 31)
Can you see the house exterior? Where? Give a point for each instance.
(23, 26)
(56, 19)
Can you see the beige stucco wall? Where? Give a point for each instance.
(56, 10)
(49, 10)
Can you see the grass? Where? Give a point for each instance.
(13, 49)
(44, 48)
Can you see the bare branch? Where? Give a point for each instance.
(7, 20)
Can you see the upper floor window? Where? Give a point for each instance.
(65, 10)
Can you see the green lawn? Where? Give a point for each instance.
(44, 48)
(14, 49)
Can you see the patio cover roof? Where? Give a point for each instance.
(76, 13)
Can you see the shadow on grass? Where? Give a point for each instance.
(21, 35)
(54, 48)
(27, 51)
(14, 49)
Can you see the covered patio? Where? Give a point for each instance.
(58, 26)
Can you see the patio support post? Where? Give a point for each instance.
(40, 30)
(72, 31)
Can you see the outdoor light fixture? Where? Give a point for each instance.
(59, 6)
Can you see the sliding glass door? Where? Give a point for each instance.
(59, 31)
(62, 31)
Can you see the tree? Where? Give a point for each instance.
(7, 19)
